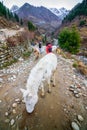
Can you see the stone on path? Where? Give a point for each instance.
(75, 126)
(80, 118)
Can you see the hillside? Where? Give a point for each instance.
(7, 20)
(7, 14)
(77, 17)
(4, 23)
(78, 10)
(14, 41)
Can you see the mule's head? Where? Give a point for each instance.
(30, 100)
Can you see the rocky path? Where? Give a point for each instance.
(65, 108)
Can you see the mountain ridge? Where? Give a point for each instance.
(40, 16)
(14, 8)
(61, 13)
(41, 13)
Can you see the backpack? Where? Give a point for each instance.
(49, 48)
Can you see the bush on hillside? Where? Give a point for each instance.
(69, 40)
(82, 23)
(81, 67)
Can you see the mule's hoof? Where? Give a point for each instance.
(42, 95)
(51, 80)
(54, 85)
(49, 91)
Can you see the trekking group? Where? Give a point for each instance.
(48, 48)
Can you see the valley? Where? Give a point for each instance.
(65, 108)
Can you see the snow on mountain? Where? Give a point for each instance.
(61, 13)
(14, 8)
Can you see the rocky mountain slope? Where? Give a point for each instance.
(40, 16)
(41, 13)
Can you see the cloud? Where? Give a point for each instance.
(68, 4)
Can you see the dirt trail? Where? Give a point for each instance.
(5, 33)
(56, 111)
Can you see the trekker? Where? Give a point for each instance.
(48, 47)
(40, 46)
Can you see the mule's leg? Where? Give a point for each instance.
(54, 81)
(42, 90)
(49, 86)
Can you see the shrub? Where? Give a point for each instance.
(8, 63)
(26, 54)
(80, 67)
(75, 64)
(82, 22)
(11, 41)
(69, 40)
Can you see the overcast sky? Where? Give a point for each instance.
(68, 4)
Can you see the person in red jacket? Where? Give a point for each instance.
(48, 47)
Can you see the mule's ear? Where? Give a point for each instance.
(23, 90)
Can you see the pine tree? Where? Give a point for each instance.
(16, 17)
(31, 27)
(7, 14)
(21, 21)
(78, 10)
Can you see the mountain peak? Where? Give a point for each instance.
(26, 4)
(14, 8)
(62, 12)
